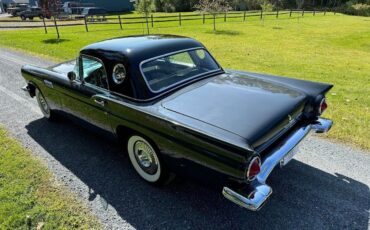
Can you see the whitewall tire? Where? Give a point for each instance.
(44, 107)
(145, 159)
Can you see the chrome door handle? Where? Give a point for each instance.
(99, 102)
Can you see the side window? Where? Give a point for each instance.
(94, 72)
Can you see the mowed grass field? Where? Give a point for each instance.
(331, 48)
(29, 196)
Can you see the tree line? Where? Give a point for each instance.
(190, 5)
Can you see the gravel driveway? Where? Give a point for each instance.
(325, 187)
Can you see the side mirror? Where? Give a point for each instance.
(71, 76)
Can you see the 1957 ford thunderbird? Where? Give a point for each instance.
(177, 110)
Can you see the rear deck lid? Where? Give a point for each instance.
(252, 108)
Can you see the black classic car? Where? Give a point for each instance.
(177, 110)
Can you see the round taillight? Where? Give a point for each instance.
(323, 106)
(254, 168)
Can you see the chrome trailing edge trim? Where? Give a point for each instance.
(322, 125)
(255, 201)
(261, 191)
(274, 158)
(321, 102)
(250, 165)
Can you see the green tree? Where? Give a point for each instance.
(266, 6)
(213, 7)
(174, 5)
(300, 3)
(50, 7)
(145, 7)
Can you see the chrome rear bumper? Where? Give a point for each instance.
(260, 191)
(26, 90)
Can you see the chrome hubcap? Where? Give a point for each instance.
(146, 157)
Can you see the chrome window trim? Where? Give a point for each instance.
(150, 99)
(82, 80)
(137, 100)
(185, 80)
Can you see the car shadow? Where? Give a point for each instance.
(304, 197)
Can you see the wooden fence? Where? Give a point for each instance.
(152, 20)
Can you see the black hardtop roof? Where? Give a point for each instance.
(140, 48)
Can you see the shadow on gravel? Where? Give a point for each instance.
(304, 197)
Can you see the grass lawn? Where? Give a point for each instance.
(30, 198)
(331, 48)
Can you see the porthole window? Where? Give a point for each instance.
(119, 73)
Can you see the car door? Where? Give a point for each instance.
(82, 97)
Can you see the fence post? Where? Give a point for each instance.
(120, 22)
(56, 27)
(261, 14)
(86, 28)
(225, 17)
(314, 12)
(302, 12)
(46, 30)
(334, 11)
(180, 19)
(244, 16)
(151, 18)
(324, 11)
(204, 19)
(290, 14)
(277, 12)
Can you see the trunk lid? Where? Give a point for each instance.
(250, 107)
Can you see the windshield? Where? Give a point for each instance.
(171, 70)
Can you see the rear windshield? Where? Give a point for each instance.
(171, 70)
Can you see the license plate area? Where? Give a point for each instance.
(287, 158)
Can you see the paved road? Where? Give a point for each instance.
(326, 187)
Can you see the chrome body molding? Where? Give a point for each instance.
(254, 202)
(49, 84)
(322, 125)
(260, 191)
(25, 88)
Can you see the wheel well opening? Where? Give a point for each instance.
(32, 89)
(123, 133)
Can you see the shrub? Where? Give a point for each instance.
(355, 8)
(266, 6)
(361, 9)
